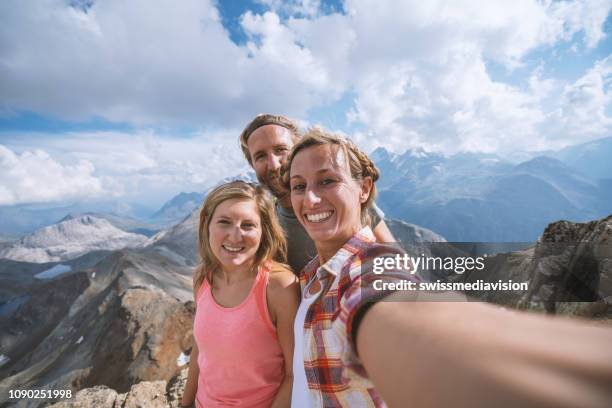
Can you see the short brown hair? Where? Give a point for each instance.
(273, 245)
(264, 119)
(359, 163)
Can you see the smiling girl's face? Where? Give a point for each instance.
(325, 197)
(235, 233)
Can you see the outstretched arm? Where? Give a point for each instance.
(383, 233)
(284, 298)
(461, 354)
(191, 387)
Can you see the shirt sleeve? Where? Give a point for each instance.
(367, 288)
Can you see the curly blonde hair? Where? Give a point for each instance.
(360, 165)
(273, 244)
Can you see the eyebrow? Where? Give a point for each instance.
(325, 170)
(274, 146)
(225, 217)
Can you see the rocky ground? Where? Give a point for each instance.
(124, 319)
(149, 394)
(569, 271)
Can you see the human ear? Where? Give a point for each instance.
(366, 189)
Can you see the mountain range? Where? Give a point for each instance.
(21, 219)
(482, 197)
(464, 197)
(178, 206)
(69, 239)
(591, 158)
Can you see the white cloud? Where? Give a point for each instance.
(584, 103)
(587, 16)
(422, 79)
(430, 30)
(331, 40)
(171, 64)
(309, 8)
(34, 176)
(146, 167)
(450, 107)
(418, 70)
(285, 75)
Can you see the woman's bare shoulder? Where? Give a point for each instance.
(283, 289)
(281, 276)
(198, 271)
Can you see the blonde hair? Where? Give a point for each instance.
(359, 163)
(264, 119)
(273, 244)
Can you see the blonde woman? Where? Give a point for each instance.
(246, 300)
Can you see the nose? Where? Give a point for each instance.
(274, 162)
(235, 234)
(311, 199)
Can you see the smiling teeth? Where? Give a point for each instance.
(318, 217)
(232, 249)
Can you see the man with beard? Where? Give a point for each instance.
(266, 142)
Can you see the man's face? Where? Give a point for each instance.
(269, 147)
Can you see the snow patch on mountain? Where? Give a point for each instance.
(69, 239)
(53, 272)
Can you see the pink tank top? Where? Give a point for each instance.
(240, 360)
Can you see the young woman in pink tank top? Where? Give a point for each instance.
(246, 301)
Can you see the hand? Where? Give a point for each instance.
(183, 404)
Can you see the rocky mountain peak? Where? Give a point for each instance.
(569, 270)
(117, 321)
(69, 239)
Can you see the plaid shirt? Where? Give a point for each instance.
(335, 375)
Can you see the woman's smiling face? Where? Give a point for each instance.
(325, 197)
(235, 233)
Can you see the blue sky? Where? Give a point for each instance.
(139, 102)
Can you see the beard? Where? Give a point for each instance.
(272, 180)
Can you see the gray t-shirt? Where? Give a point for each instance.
(300, 248)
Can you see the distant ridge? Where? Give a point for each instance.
(123, 222)
(483, 197)
(69, 239)
(179, 206)
(591, 158)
